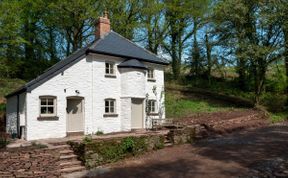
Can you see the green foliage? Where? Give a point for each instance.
(78, 148)
(98, 152)
(87, 139)
(279, 117)
(9, 85)
(99, 132)
(128, 145)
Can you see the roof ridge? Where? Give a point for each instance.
(137, 45)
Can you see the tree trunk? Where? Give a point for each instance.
(208, 55)
(286, 57)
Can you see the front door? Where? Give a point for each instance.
(75, 121)
(137, 113)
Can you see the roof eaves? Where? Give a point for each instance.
(124, 56)
(17, 92)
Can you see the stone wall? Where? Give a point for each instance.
(29, 162)
(94, 153)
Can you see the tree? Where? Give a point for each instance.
(255, 38)
(153, 22)
(75, 20)
(124, 15)
(182, 18)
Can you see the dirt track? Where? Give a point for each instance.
(257, 152)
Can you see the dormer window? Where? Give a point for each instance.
(109, 69)
(150, 75)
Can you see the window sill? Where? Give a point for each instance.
(151, 80)
(48, 118)
(153, 114)
(110, 75)
(110, 115)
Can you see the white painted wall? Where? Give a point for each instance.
(76, 77)
(102, 88)
(159, 94)
(88, 77)
(133, 82)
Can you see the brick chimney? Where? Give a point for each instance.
(102, 26)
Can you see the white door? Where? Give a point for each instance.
(137, 113)
(75, 121)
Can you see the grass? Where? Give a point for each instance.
(278, 117)
(178, 106)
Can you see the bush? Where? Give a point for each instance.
(99, 132)
(273, 102)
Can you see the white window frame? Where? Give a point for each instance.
(109, 106)
(152, 107)
(47, 105)
(151, 74)
(110, 68)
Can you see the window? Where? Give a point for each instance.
(110, 106)
(109, 68)
(47, 106)
(151, 106)
(150, 74)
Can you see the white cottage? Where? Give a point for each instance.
(111, 85)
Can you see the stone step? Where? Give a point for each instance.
(59, 143)
(61, 147)
(168, 144)
(72, 169)
(65, 157)
(66, 151)
(66, 164)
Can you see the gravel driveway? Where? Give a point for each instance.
(251, 153)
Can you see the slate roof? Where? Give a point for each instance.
(112, 44)
(132, 63)
(115, 44)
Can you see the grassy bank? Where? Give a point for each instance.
(178, 105)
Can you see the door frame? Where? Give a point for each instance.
(71, 133)
(143, 113)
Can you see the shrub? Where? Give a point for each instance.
(87, 139)
(99, 132)
(128, 145)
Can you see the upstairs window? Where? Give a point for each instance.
(109, 68)
(152, 106)
(110, 106)
(150, 74)
(47, 106)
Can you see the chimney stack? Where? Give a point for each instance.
(103, 26)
